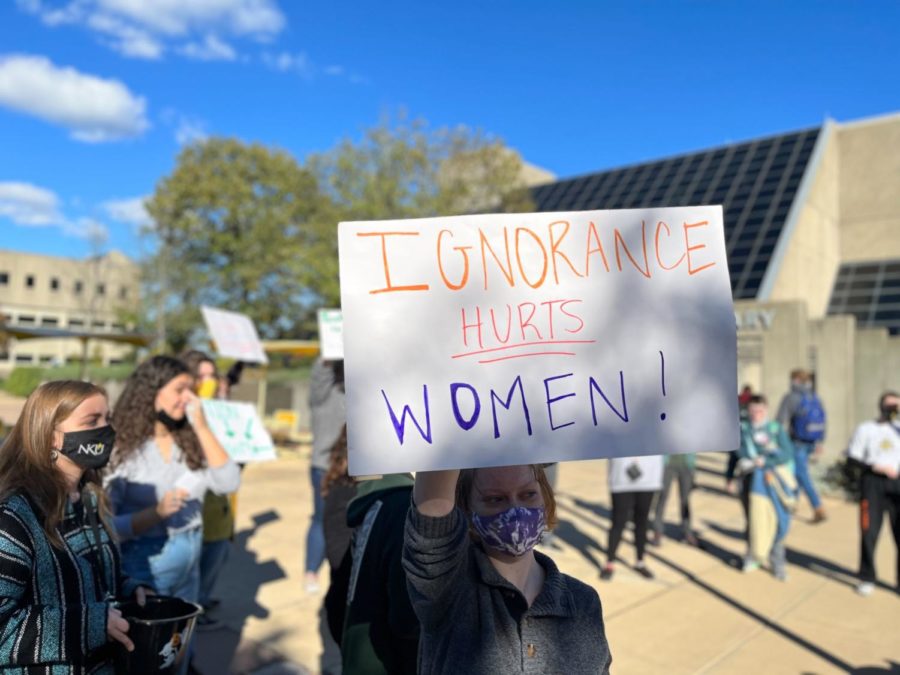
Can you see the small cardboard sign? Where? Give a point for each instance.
(491, 340)
(234, 334)
(239, 429)
(331, 334)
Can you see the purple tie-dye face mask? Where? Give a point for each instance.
(514, 531)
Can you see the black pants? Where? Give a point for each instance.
(685, 476)
(634, 506)
(746, 484)
(879, 494)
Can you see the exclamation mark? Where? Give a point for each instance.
(662, 369)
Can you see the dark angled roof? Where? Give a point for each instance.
(870, 291)
(755, 182)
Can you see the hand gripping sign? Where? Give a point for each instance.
(504, 339)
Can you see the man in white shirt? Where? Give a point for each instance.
(876, 445)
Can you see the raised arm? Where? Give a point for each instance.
(435, 492)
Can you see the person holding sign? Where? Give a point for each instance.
(166, 459)
(59, 567)
(486, 600)
(766, 451)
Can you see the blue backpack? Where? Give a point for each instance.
(808, 423)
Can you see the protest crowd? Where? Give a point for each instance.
(108, 509)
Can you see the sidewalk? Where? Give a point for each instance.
(700, 615)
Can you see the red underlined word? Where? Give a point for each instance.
(523, 344)
(520, 356)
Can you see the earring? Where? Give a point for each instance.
(54, 455)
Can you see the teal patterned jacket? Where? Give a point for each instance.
(54, 601)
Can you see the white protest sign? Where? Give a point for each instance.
(504, 339)
(331, 334)
(234, 334)
(239, 429)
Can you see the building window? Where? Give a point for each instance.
(46, 359)
(4, 356)
(101, 289)
(123, 293)
(4, 278)
(54, 284)
(79, 286)
(118, 327)
(49, 321)
(29, 281)
(25, 320)
(116, 362)
(24, 358)
(76, 323)
(98, 324)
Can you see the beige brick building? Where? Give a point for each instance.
(812, 227)
(48, 292)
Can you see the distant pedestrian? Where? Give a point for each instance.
(767, 462)
(328, 417)
(802, 415)
(218, 510)
(487, 601)
(681, 468)
(876, 447)
(633, 481)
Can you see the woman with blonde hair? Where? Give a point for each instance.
(487, 602)
(59, 568)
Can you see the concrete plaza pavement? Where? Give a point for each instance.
(700, 615)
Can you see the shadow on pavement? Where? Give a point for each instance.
(592, 512)
(222, 650)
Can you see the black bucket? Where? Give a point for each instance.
(161, 631)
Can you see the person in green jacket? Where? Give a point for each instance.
(369, 595)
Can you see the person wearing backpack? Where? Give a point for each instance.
(801, 413)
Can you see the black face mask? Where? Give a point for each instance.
(89, 449)
(889, 413)
(170, 422)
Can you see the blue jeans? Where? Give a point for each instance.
(802, 451)
(212, 560)
(171, 564)
(315, 537)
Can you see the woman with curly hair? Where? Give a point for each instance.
(59, 567)
(165, 460)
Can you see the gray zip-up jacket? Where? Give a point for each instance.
(474, 621)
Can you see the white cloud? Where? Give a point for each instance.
(145, 29)
(334, 71)
(130, 211)
(92, 108)
(186, 129)
(27, 204)
(211, 49)
(287, 62)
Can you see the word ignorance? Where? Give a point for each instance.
(537, 256)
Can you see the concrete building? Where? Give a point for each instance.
(91, 295)
(812, 227)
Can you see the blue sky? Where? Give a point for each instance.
(96, 96)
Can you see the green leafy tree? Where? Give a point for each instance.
(247, 228)
(232, 230)
(404, 169)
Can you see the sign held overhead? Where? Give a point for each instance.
(514, 338)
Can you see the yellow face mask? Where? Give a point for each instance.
(207, 388)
